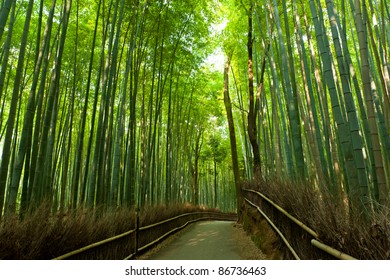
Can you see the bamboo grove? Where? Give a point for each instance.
(106, 103)
(112, 103)
(316, 77)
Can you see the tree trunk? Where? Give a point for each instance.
(252, 128)
(376, 147)
(232, 136)
(5, 157)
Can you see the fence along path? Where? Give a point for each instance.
(315, 241)
(119, 247)
(127, 245)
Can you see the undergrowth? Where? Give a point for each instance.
(338, 223)
(261, 234)
(42, 235)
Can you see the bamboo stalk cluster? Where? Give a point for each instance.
(321, 114)
(106, 103)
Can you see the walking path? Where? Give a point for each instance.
(211, 240)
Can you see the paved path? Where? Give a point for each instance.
(211, 240)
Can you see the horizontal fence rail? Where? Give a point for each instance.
(128, 244)
(316, 242)
(275, 228)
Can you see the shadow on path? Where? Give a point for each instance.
(211, 240)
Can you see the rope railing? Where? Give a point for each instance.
(316, 242)
(137, 247)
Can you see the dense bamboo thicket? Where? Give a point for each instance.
(110, 103)
(115, 103)
(318, 93)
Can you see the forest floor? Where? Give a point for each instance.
(211, 240)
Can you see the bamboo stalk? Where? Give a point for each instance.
(331, 251)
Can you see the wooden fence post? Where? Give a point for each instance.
(136, 230)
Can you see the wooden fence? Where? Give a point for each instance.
(295, 235)
(128, 244)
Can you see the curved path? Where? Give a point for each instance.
(211, 240)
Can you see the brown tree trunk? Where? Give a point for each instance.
(252, 129)
(232, 135)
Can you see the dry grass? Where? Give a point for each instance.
(262, 235)
(249, 250)
(45, 236)
(342, 226)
